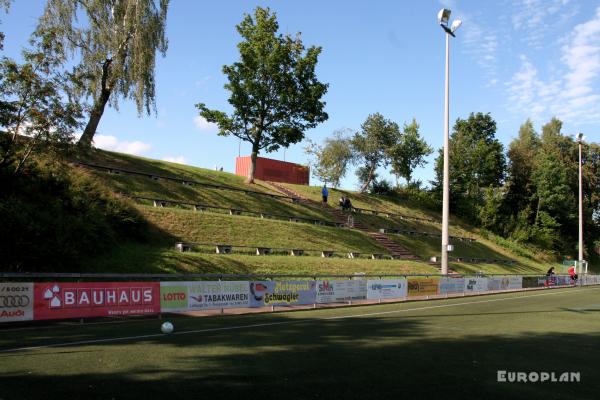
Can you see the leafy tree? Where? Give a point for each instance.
(521, 196)
(409, 153)
(35, 110)
(330, 161)
(371, 144)
(4, 4)
(477, 161)
(275, 93)
(115, 47)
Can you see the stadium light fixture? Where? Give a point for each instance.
(443, 20)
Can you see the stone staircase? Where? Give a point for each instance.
(395, 250)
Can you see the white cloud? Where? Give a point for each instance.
(108, 142)
(176, 159)
(571, 97)
(203, 125)
(535, 19)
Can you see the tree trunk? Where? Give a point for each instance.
(369, 179)
(90, 129)
(253, 157)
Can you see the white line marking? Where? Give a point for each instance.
(227, 328)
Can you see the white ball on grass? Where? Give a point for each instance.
(166, 327)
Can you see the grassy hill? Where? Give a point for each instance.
(176, 224)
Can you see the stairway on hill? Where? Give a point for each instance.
(341, 217)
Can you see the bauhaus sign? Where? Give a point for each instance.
(55, 300)
(16, 301)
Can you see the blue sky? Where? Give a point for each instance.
(515, 59)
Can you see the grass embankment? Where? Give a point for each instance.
(145, 187)
(180, 225)
(134, 258)
(249, 231)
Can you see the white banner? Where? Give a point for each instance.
(341, 291)
(476, 285)
(452, 285)
(16, 301)
(189, 296)
(386, 289)
(505, 283)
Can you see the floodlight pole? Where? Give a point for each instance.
(446, 193)
(580, 259)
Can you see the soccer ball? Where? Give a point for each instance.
(167, 327)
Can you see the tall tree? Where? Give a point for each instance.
(4, 4)
(36, 112)
(409, 152)
(330, 161)
(476, 157)
(521, 196)
(376, 136)
(275, 93)
(115, 48)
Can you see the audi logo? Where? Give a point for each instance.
(14, 301)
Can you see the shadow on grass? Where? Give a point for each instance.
(370, 358)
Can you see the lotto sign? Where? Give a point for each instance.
(451, 285)
(16, 301)
(341, 291)
(423, 286)
(386, 289)
(282, 293)
(59, 300)
(476, 285)
(173, 296)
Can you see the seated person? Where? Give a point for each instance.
(348, 204)
(342, 202)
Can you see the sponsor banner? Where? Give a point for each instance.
(505, 282)
(282, 293)
(173, 296)
(557, 280)
(534, 281)
(57, 300)
(190, 296)
(386, 289)
(16, 301)
(340, 291)
(476, 285)
(423, 286)
(451, 285)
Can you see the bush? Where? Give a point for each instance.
(54, 217)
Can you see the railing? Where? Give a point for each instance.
(419, 233)
(222, 248)
(390, 214)
(158, 202)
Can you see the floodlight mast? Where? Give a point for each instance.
(579, 139)
(443, 19)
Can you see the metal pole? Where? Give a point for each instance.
(580, 260)
(446, 195)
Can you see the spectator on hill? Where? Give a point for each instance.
(342, 203)
(348, 204)
(325, 194)
(550, 272)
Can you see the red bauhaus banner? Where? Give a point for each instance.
(57, 300)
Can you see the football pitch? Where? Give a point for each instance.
(448, 349)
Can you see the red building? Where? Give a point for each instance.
(273, 170)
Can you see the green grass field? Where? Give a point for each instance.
(449, 349)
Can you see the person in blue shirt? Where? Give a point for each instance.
(325, 194)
